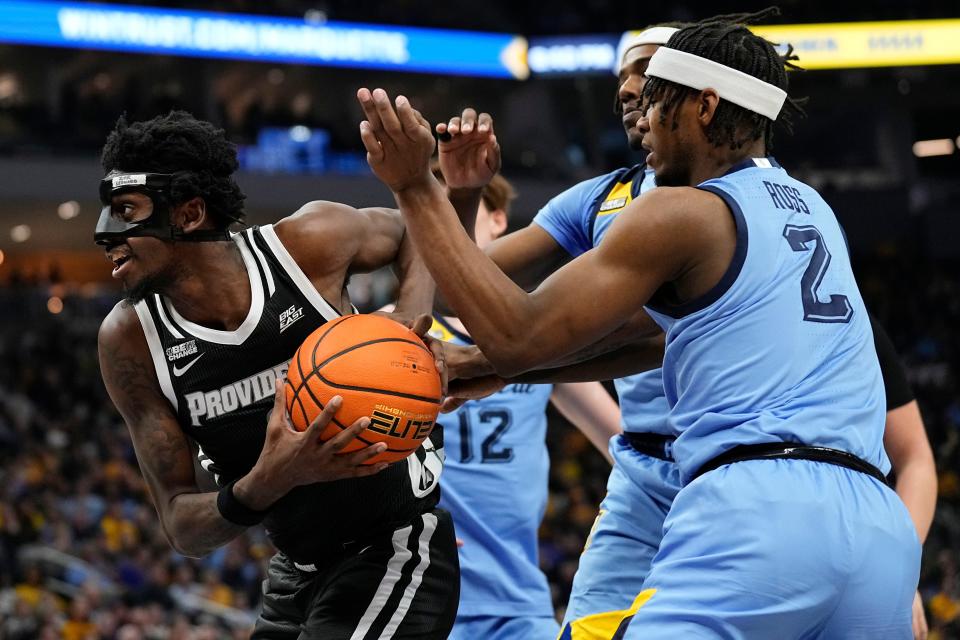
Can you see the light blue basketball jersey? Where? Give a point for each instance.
(494, 484)
(781, 349)
(578, 219)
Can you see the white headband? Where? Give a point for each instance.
(631, 39)
(699, 73)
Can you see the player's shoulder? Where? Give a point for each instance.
(127, 366)
(321, 235)
(121, 323)
(316, 216)
(679, 217)
(674, 206)
(576, 200)
(621, 174)
(333, 221)
(121, 334)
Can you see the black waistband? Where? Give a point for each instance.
(795, 451)
(651, 444)
(341, 550)
(661, 446)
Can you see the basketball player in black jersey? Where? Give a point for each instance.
(194, 357)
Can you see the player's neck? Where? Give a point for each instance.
(719, 161)
(212, 288)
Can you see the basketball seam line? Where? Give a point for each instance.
(313, 357)
(357, 346)
(303, 385)
(335, 323)
(388, 392)
(303, 381)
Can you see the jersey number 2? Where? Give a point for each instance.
(500, 419)
(838, 309)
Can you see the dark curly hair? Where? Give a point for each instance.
(727, 40)
(196, 152)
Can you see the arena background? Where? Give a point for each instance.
(81, 553)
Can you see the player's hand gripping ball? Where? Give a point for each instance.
(381, 369)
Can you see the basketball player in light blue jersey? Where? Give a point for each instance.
(495, 478)
(643, 480)
(784, 526)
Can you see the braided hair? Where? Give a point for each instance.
(727, 40)
(196, 152)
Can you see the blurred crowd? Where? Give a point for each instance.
(82, 554)
(63, 102)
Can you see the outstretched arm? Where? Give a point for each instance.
(360, 240)
(469, 158)
(527, 255)
(417, 289)
(656, 239)
(474, 377)
(633, 348)
(597, 362)
(518, 331)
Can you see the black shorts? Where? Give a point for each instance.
(403, 586)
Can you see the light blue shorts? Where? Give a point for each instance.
(504, 628)
(782, 549)
(625, 537)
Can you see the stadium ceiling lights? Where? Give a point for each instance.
(20, 233)
(930, 148)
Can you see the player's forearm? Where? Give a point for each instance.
(917, 487)
(497, 313)
(527, 256)
(466, 202)
(193, 521)
(417, 289)
(624, 361)
(639, 339)
(195, 527)
(620, 354)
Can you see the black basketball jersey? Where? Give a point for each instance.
(221, 386)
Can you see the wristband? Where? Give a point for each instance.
(232, 510)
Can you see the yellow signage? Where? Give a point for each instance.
(845, 45)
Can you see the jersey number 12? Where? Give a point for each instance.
(500, 420)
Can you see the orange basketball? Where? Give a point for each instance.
(381, 369)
